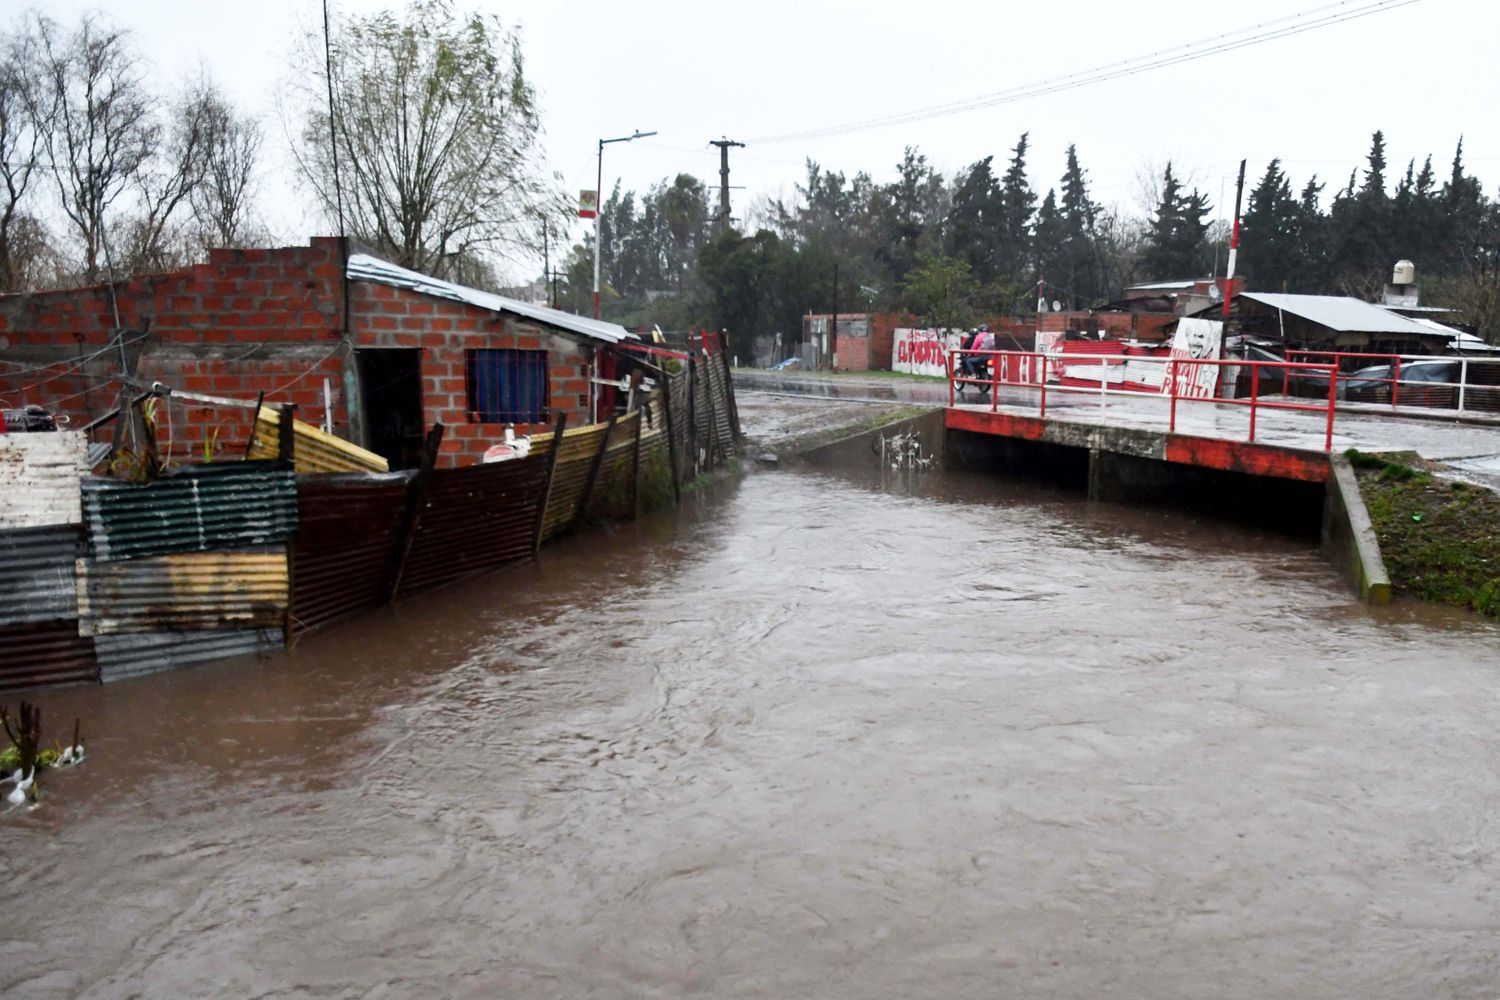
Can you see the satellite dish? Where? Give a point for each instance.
(1056, 306)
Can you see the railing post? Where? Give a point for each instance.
(1045, 359)
(1463, 381)
(995, 362)
(1396, 381)
(1254, 395)
(1333, 378)
(948, 357)
(1172, 386)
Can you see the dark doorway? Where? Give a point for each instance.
(391, 391)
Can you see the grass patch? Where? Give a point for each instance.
(1438, 538)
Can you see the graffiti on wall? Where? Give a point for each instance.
(922, 352)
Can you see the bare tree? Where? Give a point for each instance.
(101, 128)
(437, 135)
(221, 202)
(22, 144)
(165, 182)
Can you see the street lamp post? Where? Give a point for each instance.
(599, 206)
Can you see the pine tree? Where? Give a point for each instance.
(974, 233)
(1017, 206)
(1269, 234)
(1047, 247)
(1078, 253)
(1177, 242)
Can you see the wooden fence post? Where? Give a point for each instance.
(713, 418)
(635, 469)
(541, 514)
(734, 410)
(260, 400)
(416, 495)
(666, 409)
(588, 488)
(286, 434)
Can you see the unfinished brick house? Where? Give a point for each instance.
(374, 351)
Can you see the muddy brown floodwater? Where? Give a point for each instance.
(815, 735)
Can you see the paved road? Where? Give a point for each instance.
(1468, 450)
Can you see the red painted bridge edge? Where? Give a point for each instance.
(1209, 453)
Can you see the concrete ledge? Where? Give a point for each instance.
(1257, 459)
(1349, 536)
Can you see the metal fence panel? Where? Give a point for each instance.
(39, 476)
(125, 656)
(188, 591)
(475, 519)
(45, 653)
(201, 508)
(341, 559)
(38, 574)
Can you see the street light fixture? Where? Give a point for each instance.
(599, 208)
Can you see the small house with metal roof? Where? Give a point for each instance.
(370, 351)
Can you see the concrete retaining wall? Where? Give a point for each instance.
(1348, 536)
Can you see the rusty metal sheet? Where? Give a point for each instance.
(195, 590)
(43, 654)
(39, 476)
(38, 569)
(475, 519)
(199, 508)
(315, 449)
(341, 559)
(125, 656)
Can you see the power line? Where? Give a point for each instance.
(1257, 34)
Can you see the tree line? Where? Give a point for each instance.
(980, 244)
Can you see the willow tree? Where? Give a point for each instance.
(436, 131)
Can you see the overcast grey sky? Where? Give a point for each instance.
(1425, 73)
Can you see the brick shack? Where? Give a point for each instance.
(374, 351)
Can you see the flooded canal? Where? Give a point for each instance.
(814, 735)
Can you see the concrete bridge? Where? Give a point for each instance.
(1287, 443)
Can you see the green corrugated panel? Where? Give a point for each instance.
(234, 505)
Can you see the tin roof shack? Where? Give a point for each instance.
(274, 321)
(430, 351)
(1332, 323)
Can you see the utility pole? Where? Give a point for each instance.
(724, 145)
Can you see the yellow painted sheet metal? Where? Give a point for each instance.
(575, 457)
(315, 449)
(191, 590)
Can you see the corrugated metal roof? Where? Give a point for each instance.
(45, 653)
(39, 476)
(194, 590)
(125, 656)
(314, 450)
(1340, 313)
(363, 267)
(38, 568)
(202, 508)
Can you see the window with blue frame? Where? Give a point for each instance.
(506, 387)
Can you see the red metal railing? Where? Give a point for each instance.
(1034, 369)
(1407, 379)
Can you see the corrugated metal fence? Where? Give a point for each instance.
(105, 579)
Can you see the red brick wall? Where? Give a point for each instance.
(244, 322)
(384, 316)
